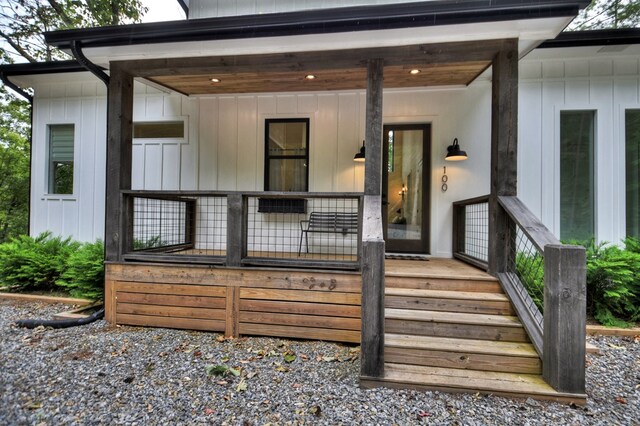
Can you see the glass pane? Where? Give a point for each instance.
(287, 138)
(158, 130)
(632, 163)
(61, 141)
(405, 185)
(287, 174)
(577, 189)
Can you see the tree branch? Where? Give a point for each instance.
(62, 13)
(23, 52)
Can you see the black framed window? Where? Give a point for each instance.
(60, 164)
(632, 171)
(286, 165)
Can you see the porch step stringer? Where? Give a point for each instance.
(459, 334)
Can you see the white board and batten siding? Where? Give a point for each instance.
(551, 82)
(218, 8)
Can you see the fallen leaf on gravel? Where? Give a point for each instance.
(33, 405)
(621, 400)
(281, 368)
(222, 382)
(423, 414)
(216, 370)
(616, 346)
(296, 386)
(252, 374)
(220, 338)
(328, 358)
(242, 386)
(304, 357)
(289, 356)
(234, 371)
(316, 411)
(208, 411)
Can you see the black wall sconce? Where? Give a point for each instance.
(454, 153)
(359, 157)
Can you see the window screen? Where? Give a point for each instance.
(61, 159)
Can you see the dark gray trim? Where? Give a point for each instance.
(184, 7)
(608, 37)
(10, 84)
(321, 21)
(36, 68)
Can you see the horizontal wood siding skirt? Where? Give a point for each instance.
(172, 300)
(171, 289)
(303, 308)
(170, 311)
(300, 332)
(171, 322)
(300, 320)
(300, 296)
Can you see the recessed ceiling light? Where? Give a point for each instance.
(310, 77)
(215, 80)
(414, 71)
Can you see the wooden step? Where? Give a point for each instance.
(470, 354)
(449, 301)
(460, 380)
(453, 324)
(452, 283)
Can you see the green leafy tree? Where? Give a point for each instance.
(602, 14)
(22, 23)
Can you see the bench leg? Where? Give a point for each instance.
(300, 246)
(306, 237)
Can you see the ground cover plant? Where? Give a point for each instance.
(613, 281)
(47, 263)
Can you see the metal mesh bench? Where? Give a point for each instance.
(327, 223)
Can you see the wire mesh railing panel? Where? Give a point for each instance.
(476, 235)
(159, 223)
(210, 231)
(528, 264)
(322, 229)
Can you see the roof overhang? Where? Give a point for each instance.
(622, 42)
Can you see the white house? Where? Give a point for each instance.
(235, 147)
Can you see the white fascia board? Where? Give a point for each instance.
(530, 33)
(32, 80)
(585, 52)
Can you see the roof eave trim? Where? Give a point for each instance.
(361, 18)
(608, 37)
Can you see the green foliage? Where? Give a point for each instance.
(613, 284)
(151, 242)
(530, 270)
(613, 281)
(28, 263)
(601, 14)
(84, 275)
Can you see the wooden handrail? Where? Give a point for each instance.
(539, 234)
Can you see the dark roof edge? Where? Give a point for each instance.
(35, 68)
(358, 18)
(594, 38)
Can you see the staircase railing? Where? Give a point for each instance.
(471, 231)
(545, 281)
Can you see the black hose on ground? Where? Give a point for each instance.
(65, 323)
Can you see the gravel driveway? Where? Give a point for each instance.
(99, 374)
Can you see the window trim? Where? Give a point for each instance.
(48, 175)
(268, 157)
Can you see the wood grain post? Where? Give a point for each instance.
(565, 299)
(236, 229)
(232, 316)
(372, 310)
(119, 161)
(373, 128)
(504, 151)
(110, 302)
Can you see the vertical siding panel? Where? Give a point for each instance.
(137, 171)
(228, 144)
(577, 93)
(248, 143)
(552, 102)
(69, 218)
(189, 151)
(38, 210)
(307, 104)
(266, 108)
(530, 146)
(170, 167)
(607, 190)
(208, 137)
(100, 153)
(287, 104)
(172, 106)
(152, 166)
(348, 142)
(54, 216)
(154, 108)
(85, 170)
(57, 112)
(324, 145)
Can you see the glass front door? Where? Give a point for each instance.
(405, 187)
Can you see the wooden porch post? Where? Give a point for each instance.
(504, 150)
(565, 305)
(372, 309)
(119, 161)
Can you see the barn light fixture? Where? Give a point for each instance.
(359, 157)
(454, 153)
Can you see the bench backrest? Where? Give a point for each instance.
(346, 223)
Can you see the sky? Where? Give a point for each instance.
(162, 10)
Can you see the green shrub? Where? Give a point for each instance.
(530, 269)
(84, 275)
(28, 263)
(613, 284)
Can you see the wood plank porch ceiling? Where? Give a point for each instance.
(440, 64)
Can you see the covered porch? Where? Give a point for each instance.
(229, 260)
